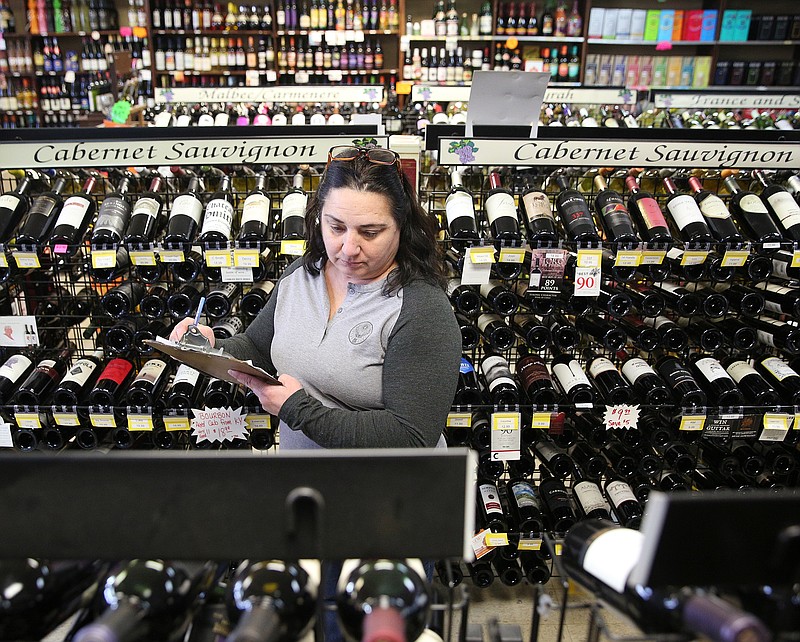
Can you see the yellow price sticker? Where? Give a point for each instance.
(218, 258)
(590, 258)
(795, 259)
(512, 255)
(245, 258)
(171, 256)
(694, 257)
(403, 88)
(176, 423)
(104, 259)
(102, 420)
(459, 420)
(529, 544)
(27, 260)
(66, 419)
(735, 258)
(481, 255)
(143, 258)
(3, 260)
(506, 420)
(293, 248)
(258, 422)
(496, 539)
(692, 422)
(653, 257)
(628, 258)
(559, 549)
(140, 423)
(541, 420)
(28, 420)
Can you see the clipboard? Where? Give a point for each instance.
(212, 362)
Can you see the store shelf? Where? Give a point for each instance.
(212, 32)
(651, 43)
(367, 32)
(759, 43)
(574, 39)
(445, 38)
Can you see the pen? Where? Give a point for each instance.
(200, 307)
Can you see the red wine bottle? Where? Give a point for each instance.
(113, 216)
(256, 298)
(776, 334)
(526, 508)
(148, 385)
(609, 335)
(574, 213)
(184, 217)
(153, 304)
(41, 216)
(704, 334)
(782, 207)
(145, 217)
(73, 220)
(716, 214)
(755, 388)
(464, 298)
(781, 299)
(685, 390)
(623, 502)
(293, 210)
(79, 380)
(112, 382)
(459, 208)
(501, 386)
(571, 378)
(14, 205)
(782, 376)
(642, 336)
(13, 372)
(538, 215)
(645, 210)
(535, 378)
(607, 379)
(556, 501)
(532, 329)
(499, 335)
(468, 390)
(752, 216)
(185, 388)
(254, 226)
(219, 301)
(614, 215)
(122, 299)
(501, 211)
(588, 497)
(41, 382)
(499, 298)
(218, 218)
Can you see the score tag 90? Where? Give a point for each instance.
(505, 444)
(587, 273)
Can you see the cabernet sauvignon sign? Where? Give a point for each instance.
(490, 151)
(321, 94)
(143, 152)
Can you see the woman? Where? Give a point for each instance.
(359, 328)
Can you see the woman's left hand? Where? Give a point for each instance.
(270, 395)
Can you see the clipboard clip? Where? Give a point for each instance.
(193, 339)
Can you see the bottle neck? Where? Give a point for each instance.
(696, 185)
(562, 182)
(455, 179)
(261, 181)
(155, 183)
(494, 180)
(632, 184)
(731, 185)
(297, 181)
(759, 176)
(61, 183)
(669, 185)
(600, 182)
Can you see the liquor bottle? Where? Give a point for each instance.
(750, 213)
(154, 329)
(540, 222)
(122, 299)
(272, 597)
(535, 378)
(152, 596)
(495, 331)
(742, 299)
(574, 213)
(776, 334)
(153, 304)
(754, 387)
(501, 211)
(616, 302)
(499, 298)
(607, 379)
(184, 217)
(685, 390)
(673, 337)
(501, 386)
(614, 215)
(14, 205)
(751, 462)
(390, 594)
(112, 382)
(687, 216)
(623, 502)
(526, 508)
(113, 216)
(78, 380)
(588, 497)
(712, 303)
(609, 335)
(491, 514)
(571, 378)
(45, 208)
(471, 337)
(42, 380)
(293, 210)
(73, 220)
(16, 369)
(704, 334)
(254, 227)
(468, 391)
(148, 385)
(533, 331)
(646, 301)
(739, 336)
(717, 216)
(144, 220)
(642, 336)
(648, 215)
(782, 266)
(459, 208)
(782, 376)
(782, 207)
(556, 502)
(218, 218)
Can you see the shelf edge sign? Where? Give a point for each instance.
(726, 100)
(616, 153)
(343, 93)
(142, 152)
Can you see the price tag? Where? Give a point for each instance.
(301, 77)
(512, 255)
(171, 256)
(621, 416)
(480, 255)
(795, 259)
(104, 259)
(293, 248)
(496, 539)
(541, 420)
(218, 258)
(258, 422)
(102, 420)
(479, 545)
(775, 426)
(653, 257)
(628, 258)
(28, 420)
(66, 419)
(6, 441)
(143, 258)
(176, 423)
(506, 435)
(3, 260)
(694, 257)
(236, 275)
(559, 549)
(735, 258)
(590, 258)
(140, 423)
(27, 260)
(692, 422)
(525, 544)
(245, 258)
(459, 420)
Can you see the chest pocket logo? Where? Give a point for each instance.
(360, 333)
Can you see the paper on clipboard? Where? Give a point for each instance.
(215, 364)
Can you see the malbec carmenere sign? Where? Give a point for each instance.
(617, 153)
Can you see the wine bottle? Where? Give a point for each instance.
(499, 335)
(614, 215)
(78, 380)
(746, 301)
(254, 227)
(555, 459)
(607, 379)
(623, 502)
(588, 459)
(751, 214)
(272, 598)
(776, 334)
(646, 301)
(111, 383)
(150, 332)
(468, 390)
(508, 570)
(220, 300)
(619, 457)
(678, 298)
(185, 388)
(13, 372)
(535, 378)
(678, 457)
(222, 394)
(183, 302)
(383, 595)
(481, 573)
(757, 268)
(491, 514)
(781, 206)
(685, 390)
(538, 215)
(14, 205)
(686, 271)
(218, 218)
(42, 214)
(565, 335)
(751, 462)
(712, 303)
(73, 220)
(648, 215)
(614, 272)
(146, 388)
(471, 338)
(588, 497)
(293, 210)
(687, 216)
(615, 302)
(500, 383)
(571, 378)
(501, 211)
(575, 214)
(189, 269)
(704, 334)
(555, 500)
(526, 508)
(780, 375)
(642, 336)
(754, 387)
(609, 335)
(256, 298)
(780, 299)
(119, 338)
(42, 380)
(459, 208)
(716, 214)
(740, 337)
(535, 568)
(184, 217)
(145, 217)
(122, 299)
(532, 330)
(782, 266)
(499, 298)
(153, 304)
(226, 327)
(464, 298)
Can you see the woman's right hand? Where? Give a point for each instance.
(182, 326)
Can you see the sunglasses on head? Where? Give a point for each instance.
(375, 155)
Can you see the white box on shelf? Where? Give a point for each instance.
(595, 28)
(624, 20)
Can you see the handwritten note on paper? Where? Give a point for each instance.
(218, 424)
(621, 416)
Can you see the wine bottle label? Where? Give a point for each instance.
(711, 369)
(537, 205)
(779, 368)
(116, 370)
(294, 204)
(496, 371)
(230, 326)
(738, 370)
(781, 268)
(589, 496)
(186, 374)
(459, 205)
(546, 450)
(43, 205)
(751, 204)
(490, 498)
(485, 319)
(14, 367)
(674, 373)
(525, 495)
(651, 213)
(575, 211)
(151, 371)
(684, 211)
(500, 204)
(80, 372)
(601, 365)
(256, 209)
(9, 201)
(712, 206)
(112, 216)
(187, 205)
(570, 375)
(785, 207)
(619, 491)
(219, 217)
(146, 206)
(532, 369)
(634, 368)
(766, 338)
(465, 366)
(73, 212)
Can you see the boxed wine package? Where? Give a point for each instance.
(665, 23)
(692, 24)
(610, 23)
(709, 26)
(651, 24)
(624, 24)
(638, 22)
(595, 27)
